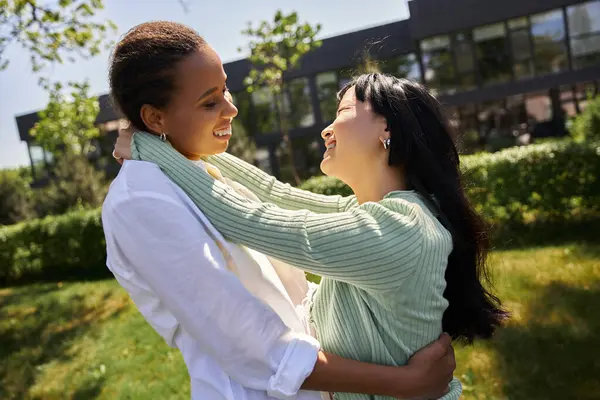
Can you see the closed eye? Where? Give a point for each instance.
(341, 109)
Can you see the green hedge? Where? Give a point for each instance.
(56, 247)
(517, 189)
(551, 185)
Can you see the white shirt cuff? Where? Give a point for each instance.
(296, 365)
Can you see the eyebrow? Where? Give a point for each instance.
(211, 91)
(207, 93)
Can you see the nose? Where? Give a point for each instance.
(327, 132)
(230, 110)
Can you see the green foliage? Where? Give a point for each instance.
(551, 183)
(241, 143)
(586, 126)
(537, 183)
(276, 47)
(56, 247)
(15, 196)
(51, 31)
(326, 185)
(76, 184)
(67, 122)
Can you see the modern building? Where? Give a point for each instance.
(504, 69)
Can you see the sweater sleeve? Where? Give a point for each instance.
(269, 189)
(374, 246)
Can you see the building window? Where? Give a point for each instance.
(437, 62)
(37, 155)
(404, 66)
(492, 53)
(548, 31)
(39, 160)
(299, 107)
(464, 60)
(327, 87)
(264, 110)
(584, 29)
(520, 40)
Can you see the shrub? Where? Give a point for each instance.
(15, 196)
(586, 126)
(76, 184)
(55, 247)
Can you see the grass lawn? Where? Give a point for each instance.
(86, 340)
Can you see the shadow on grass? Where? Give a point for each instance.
(50, 276)
(554, 356)
(548, 234)
(36, 327)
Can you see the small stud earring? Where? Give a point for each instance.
(386, 143)
(163, 137)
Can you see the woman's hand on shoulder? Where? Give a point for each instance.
(122, 149)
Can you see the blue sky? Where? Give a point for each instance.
(220, 22)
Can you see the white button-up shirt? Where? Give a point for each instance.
(163, 251)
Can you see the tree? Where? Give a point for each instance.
(241, 144)
(74, 184)
(53, 30)
(276, 47)
(67, 129)
(68, 121)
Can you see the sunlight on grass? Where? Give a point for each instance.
(87, 340)
(548, 349)
(82, 341)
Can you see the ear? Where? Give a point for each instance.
(153, 118)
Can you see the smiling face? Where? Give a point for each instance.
(353, 140)
(197, 120)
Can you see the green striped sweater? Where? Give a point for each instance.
(381, 296)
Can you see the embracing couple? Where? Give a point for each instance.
(213, 250)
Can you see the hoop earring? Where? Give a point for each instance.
(386, 143)
(163, 137)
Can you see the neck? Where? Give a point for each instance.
(374, 184)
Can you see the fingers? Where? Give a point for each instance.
(452, 358)
(445, 340)
(441, 346)
(126, 130)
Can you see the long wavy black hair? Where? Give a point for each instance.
(421, 142)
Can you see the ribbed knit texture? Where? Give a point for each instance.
(381, 297)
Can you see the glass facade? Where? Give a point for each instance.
(584, 30)
(493, 53)
(265, 111)
(464, 60)
(299, 105)
(404, 66)
(438, 65)
(521, 46)
(327, 87)
(548, 32)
